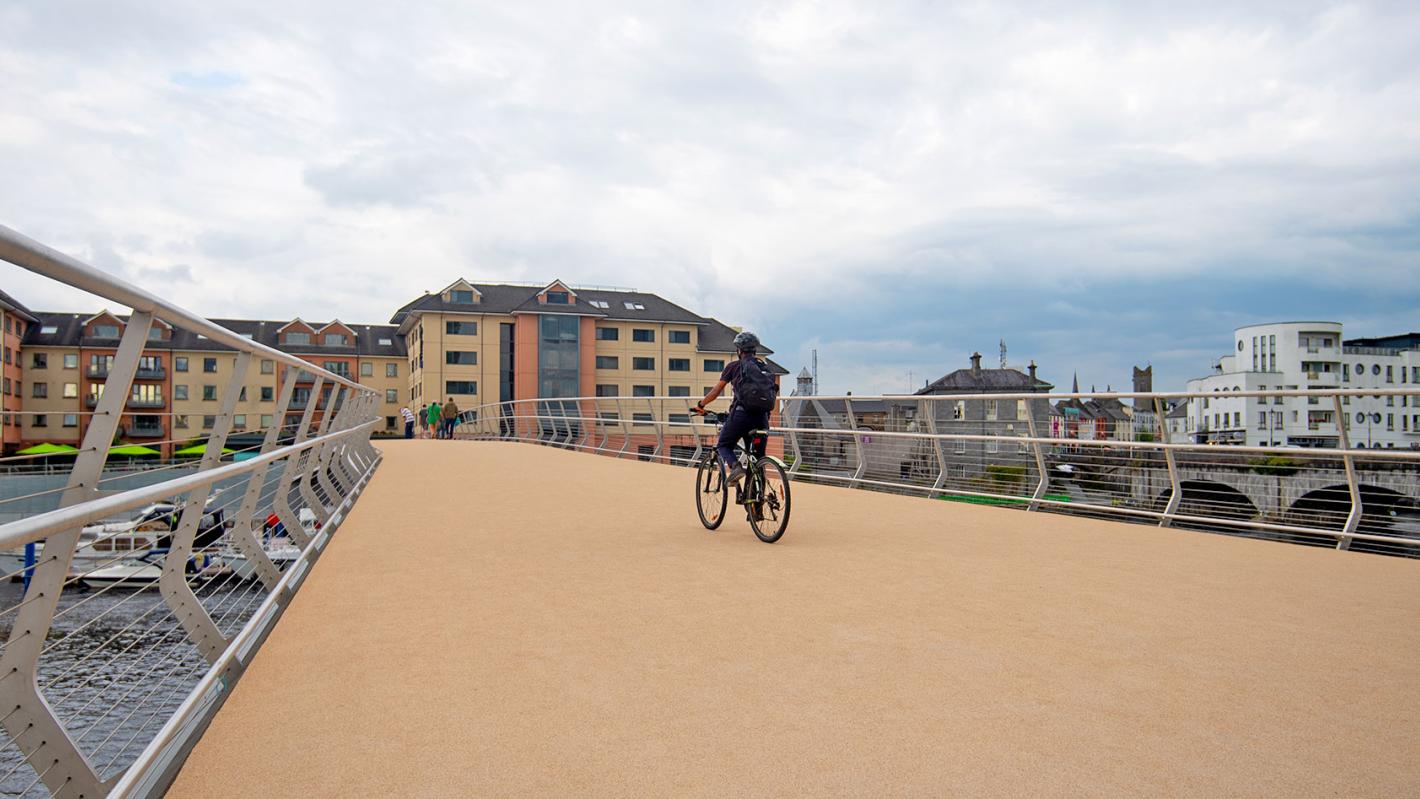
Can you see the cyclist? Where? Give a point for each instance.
(755, 396)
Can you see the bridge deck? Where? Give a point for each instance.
(504, 619)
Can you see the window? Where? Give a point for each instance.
(336, 340)
(180, 421)
(990, 411)
(681, 418)
(461, 357)
(641, 418)
(268, 393)
(643, 334)
(679, 365)
(678, 391)
(40, 420)
(48, 330)
(464, 296)
(609, 416)
(39, 390)
(391, 395)
(608, 390)
(208, 422)
(266, 420)
(608, 362)
(643, 391)
(209, 364)
(71, 420)
(367, 369)
(179, 364)
(603, 304)
(1389, 374)
(71, 390)
(1375, 369)
(1262, 420)
(104, 331)
(392, 370)
(643, 364)
(633, 306)
(460, 328)
(680, 336)
(209, 393)
(460, 387)
(339, 367)
(239, 421)
(71, 360)
(1390, 421)
(179, 391)
(296, 337)
(714, 365)
(40, 361)
(992, 446)
(557, 298)
(268, 366)
(608, 334)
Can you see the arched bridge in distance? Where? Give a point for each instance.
(500, 618)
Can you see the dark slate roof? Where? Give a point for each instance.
(13, 306)
(496, 298)
(999, 380)
(367, 337)
(1400, 341)
(1179, 411)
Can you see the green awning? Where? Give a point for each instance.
(48, 449)
(133, 450)
(198, 449)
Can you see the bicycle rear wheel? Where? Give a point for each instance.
(710, 493)
(769, 515)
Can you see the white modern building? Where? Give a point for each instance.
(1308, 355)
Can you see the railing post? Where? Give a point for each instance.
(1044, 484)
(316, 463)
(293, 473)
(660, 431)
(243, 533)
(1353, 519)
(201, 630)
(938, 448)
(857, 440)
(1175, 489)
(54, 755)
(792, 412)
(625, 422)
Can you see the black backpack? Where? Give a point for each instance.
(754, 386)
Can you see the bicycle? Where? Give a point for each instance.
(764, 490)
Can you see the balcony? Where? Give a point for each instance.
(151, 373)
(146, 431)
(146, 402)
(91, 401)
(97, 371)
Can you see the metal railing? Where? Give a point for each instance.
(143, 594)
(1098, 454)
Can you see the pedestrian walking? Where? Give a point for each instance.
(408, 421)
(435, 419)
(423, 418)
(450, 413)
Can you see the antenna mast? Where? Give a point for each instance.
(814, 360)
(1003, 353)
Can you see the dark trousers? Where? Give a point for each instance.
(741, 421)
(409, 429)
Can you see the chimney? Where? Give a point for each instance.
(976, 364)
(1032, 371)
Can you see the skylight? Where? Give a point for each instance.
(385, 342)
(599, 303)
(48, 330)
(634, 306)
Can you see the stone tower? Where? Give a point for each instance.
(1144, 379)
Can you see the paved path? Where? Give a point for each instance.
(509, 620)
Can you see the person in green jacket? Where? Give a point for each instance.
(434, 418)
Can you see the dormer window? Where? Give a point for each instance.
(337, 340)
(463, 296)
(104, 331)
(298, 338)
(557, 298)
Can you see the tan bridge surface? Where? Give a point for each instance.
(509, 620)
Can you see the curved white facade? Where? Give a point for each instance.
(1306, 355)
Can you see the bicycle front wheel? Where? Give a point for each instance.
(710, 493)
(769, 514)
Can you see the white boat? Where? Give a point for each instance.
(141, 574)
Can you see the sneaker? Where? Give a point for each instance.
(737, 473)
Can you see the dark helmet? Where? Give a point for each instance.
(747, 342)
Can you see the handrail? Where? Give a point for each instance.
(202, 558)
(1010, 460)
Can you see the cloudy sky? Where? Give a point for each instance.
(894, 183)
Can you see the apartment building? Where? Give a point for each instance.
(488, 343)
(1308, 355)
(15, 320)
(175, 394)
